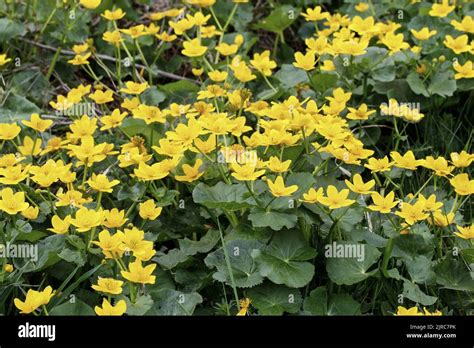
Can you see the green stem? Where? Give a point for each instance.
(229, 267)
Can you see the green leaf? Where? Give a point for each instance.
(454, 274)
(420, 269)
(410, 246)
(191, 247)
(152, 96)
(289, 76)
(413, 292)
(343, 304)
(345, 266)
(170, 260)
(283, 261)
(271, 299)
(180, 92)
(10, 29)
(279, 19)
(142, 305)
(133, 126)
(316, 302)
(172, 302)
(275, 220)
(133, 192)
(73, 256)
(443, 84)
(322, 82)
(416, 84)
(243, 266)
(77, 308)
(223, 196)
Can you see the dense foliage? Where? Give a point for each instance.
(236, 157)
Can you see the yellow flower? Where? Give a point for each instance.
(147, 173)
(34, 299)
(90, 4)
(201, 3)
(12, 175)
(108, 310)
(361, 7)
(114, 218)
(383, 204)
(328, 65)
(30, 213)
(112, 121)
(336, 199)
(139, 274)
(423, 34)
(430, 203)
(37, 123)
(100, 183)
(466, 232)
(11, 202)
(60, 226)
(164, 36)
(407, 161)
(135, 32)
(462, 185)
(244, 303)
(412, 213)
(101, 97)
(113, 15)
(113, 37)
(108, 286)
(86, 219)
(9, 131)
(191, 173)
(458, 45)
(408, 312)
(111, 245)
(437, 313)
(462, 159)
(8, 268)
(218, 76)
(149, 114)
(441, 219)
(278, 188)
(193, 48)
(277, 166)
(71, 198)
(362, 113)
(305, 61)
(394, 42)
(246, 172)
(358, 185)
(4, 60)
(465, 71)
(135, 87)
(30, 147)
(313, 196)
(80, 59)
(439, 165)
(197, 72)
(263, 63)
(466, 25)
(378, 165)
(226, 49)
(363, 26)
(441, 10)
(315, 14)
(148, 210)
